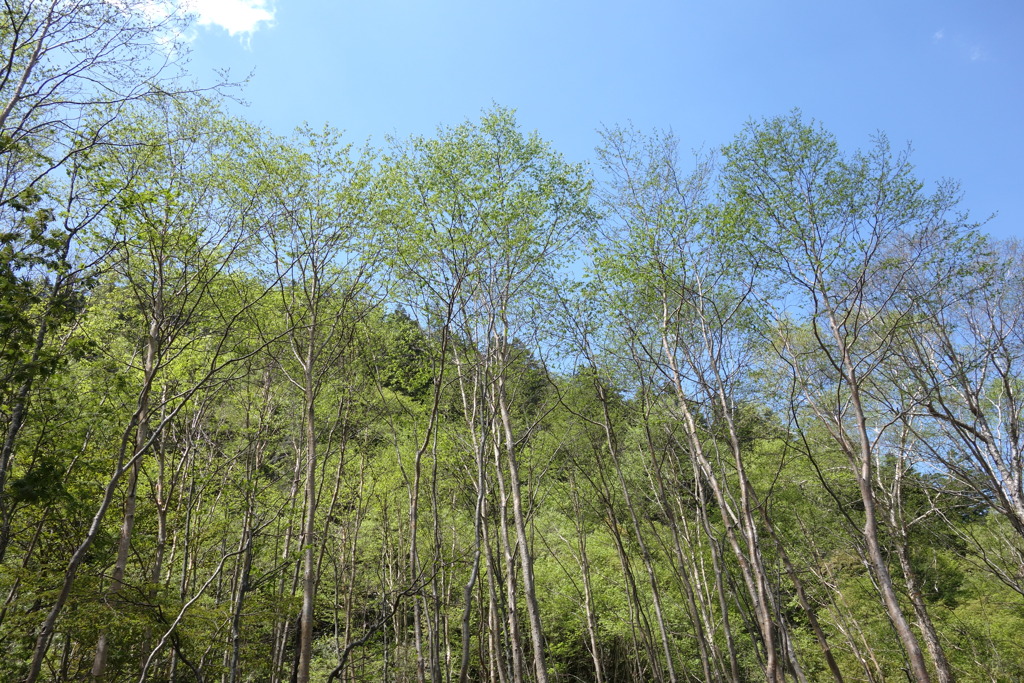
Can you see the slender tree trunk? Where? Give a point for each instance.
(242, 585)
(750, 566)
(798, 585)
(498, 662)
(719, 571)
(844, 622)
(897, 522)
(282, 628)
(306, 617)
(128, 523)
(99, 664)
(593, 633)
(682, 573)
(863, 472)
(508, 551)
(525, 554)
(637, 616)
(467, 590)
(645, 553)
(772, 628)
(931, 638)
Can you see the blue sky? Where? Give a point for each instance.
(945, 76)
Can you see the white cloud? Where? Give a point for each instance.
(240, 18)
(939, 35)
(237, 17)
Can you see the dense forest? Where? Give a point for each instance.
(455, 409)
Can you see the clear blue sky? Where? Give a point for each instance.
(945, 76)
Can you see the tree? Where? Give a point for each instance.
(319, 255)
(965, 362)
(68, 68)
(171, 239)
(488, 215)
(831, 231)
(667, 263)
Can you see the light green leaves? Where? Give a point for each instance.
(485, 208)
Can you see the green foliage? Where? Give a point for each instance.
(285, 370)
(404, 363)
(485, 214)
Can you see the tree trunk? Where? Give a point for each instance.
(306, 617)
(863, 466)
(525, 554)
(128, 523)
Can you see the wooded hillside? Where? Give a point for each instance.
(282, 409)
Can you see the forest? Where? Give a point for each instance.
(292, 408)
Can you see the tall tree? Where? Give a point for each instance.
(489, 215)
(966, 362)
(67, 70)
(825, 229)
(318, 252)
(171, 240)
(667, 262)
